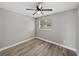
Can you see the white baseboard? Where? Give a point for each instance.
(73, 49)
(16, 44)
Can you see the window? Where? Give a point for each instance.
(45, 24)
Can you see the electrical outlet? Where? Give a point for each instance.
(64, 41)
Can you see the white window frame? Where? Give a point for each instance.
(43, 29)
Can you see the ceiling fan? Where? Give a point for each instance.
(39, 8)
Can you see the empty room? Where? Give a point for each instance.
(39, 28)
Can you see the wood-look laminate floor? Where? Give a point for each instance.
(37, 47)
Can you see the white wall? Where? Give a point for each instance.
(63, 29)
(78, 30)
(14, 27)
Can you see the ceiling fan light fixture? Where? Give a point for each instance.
(39, 9)
(38, 12)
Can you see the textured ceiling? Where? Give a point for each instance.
(20, 7)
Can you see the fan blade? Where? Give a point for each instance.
(30, 9)
(46, 9)
(35, 12)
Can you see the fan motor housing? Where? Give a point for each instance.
(39, 9)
